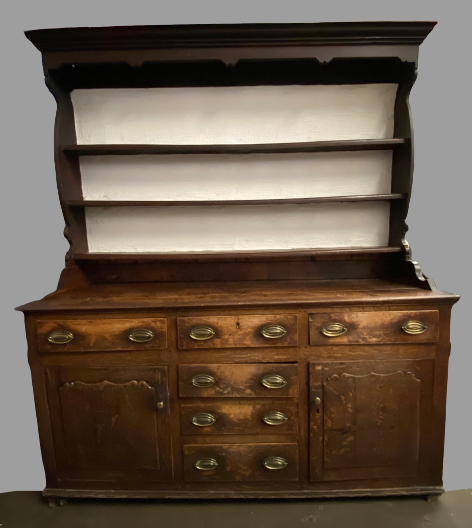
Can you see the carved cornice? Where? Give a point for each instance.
(230, 35)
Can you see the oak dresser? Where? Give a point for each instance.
(239, 315)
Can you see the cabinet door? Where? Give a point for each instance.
(111, 423)
(370, 419)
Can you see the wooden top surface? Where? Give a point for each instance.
(147, 296)
(232, 35)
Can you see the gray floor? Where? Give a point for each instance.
(26, 509)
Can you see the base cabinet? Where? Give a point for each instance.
(370, 419)
(312, 420)
(111, 424)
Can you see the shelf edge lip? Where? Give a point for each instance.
(241, 203)
(229, 35)
(236, 254)
(257, 148)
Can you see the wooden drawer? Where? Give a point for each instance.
(240, 462)
(238, 331)
(101, 334)
(239, 381)
(234, 418)
(374, 327)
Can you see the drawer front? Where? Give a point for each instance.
(240, 462)
(348, 328)
(228, 418)
(237, 331)
(271, 380)
(101, 335)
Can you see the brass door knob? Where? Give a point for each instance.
(274, 381)
(203, 419)
(414, 327)
(206, 464)
(273, 331)
(60, 337)
(141, 335)
(333, 329)
(275, 463)
(201, 333)
(160, 405)
(317, 400)
(274, 418)
(203, 380)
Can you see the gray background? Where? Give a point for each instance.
(32, 224)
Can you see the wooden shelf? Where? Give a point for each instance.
(189, 203)
(229, 255)
(316, 146)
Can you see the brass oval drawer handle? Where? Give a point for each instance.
(141, 335)
(203, 419)
(274, 418)
(203, 380)
(206, 464)
(414, 327)
(273, 331)
(333, 329)
(201, 333)
(275, 462)
(60, 337)
(274, 381)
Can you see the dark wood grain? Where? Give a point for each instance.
(238, 381)
(101, 334)
(119, 297)
(323, 267)
(213, 35)
(239, 418)
(99, 415)
(230, 255)
(374, 327)
(238, 331)
(93, 435)
(414, 491)
(371, 420)
(262, 148)
(191, 203)
(68, 178)
(240, 462)
(402, 162)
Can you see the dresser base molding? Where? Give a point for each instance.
(416, 491)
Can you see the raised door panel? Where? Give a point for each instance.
(110, 424)
(370, 419)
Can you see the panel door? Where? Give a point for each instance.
(111, 423)
(370, 419)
